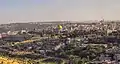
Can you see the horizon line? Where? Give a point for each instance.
(62, 21)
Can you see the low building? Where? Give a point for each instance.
(110, 39)
(14, 38)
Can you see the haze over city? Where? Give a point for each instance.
(48, 10)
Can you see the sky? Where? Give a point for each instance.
(52, 10)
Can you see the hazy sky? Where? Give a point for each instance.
(35, 10)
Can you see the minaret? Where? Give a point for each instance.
(102, 21)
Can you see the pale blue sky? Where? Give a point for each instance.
(35, 10)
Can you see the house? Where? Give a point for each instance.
(12, 32)
(2, 35)
(23, 31)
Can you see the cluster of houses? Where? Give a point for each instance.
(15, 36)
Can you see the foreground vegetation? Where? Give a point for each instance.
(8, 60)
(69, 54)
